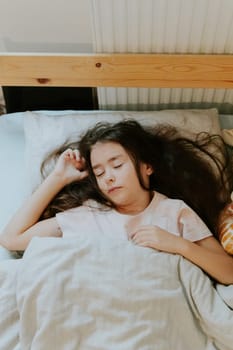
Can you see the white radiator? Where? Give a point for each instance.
(162, 26)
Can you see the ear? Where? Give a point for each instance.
(149, 169)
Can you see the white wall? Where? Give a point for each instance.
(45, 26)
(163, 26)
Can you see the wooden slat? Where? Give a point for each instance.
(124, 70)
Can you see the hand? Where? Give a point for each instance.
(157, 238)
(70, 166)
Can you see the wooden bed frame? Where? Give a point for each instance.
(122, 70)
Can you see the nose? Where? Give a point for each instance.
(109, 176)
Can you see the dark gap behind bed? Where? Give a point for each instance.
(20, 99)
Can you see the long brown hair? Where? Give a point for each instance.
(196, 171)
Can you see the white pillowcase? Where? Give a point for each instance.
(44, 132)
(12, 175)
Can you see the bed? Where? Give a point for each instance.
(88, 293)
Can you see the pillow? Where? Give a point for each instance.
(13, 187)
(225, 228)
(44, 133)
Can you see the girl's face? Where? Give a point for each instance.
(117, 178)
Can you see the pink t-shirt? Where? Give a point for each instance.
(172, 215)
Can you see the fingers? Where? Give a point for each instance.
(142, 239)
(77, 157)
(131, 235)
(74, 155)
(139, 237)
(145, 236)
(83, 174)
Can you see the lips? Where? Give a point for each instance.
(113, 189)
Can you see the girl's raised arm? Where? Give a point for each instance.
(24, 224)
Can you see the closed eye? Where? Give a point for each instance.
(99, 175)
(117, 166)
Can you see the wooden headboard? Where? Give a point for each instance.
(118, 70)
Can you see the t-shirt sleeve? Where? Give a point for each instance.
(76, 221)
(191, 225)
(63, 222)
(69, 221)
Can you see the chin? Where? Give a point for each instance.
(116, 200)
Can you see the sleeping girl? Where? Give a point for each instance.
(150, 186)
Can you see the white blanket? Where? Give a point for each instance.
(9, 317)
(89, 294)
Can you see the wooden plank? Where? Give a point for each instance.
(123, 70)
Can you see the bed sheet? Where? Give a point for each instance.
(9, 320)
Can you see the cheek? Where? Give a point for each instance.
(99, 183)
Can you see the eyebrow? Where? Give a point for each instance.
(109, 161)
